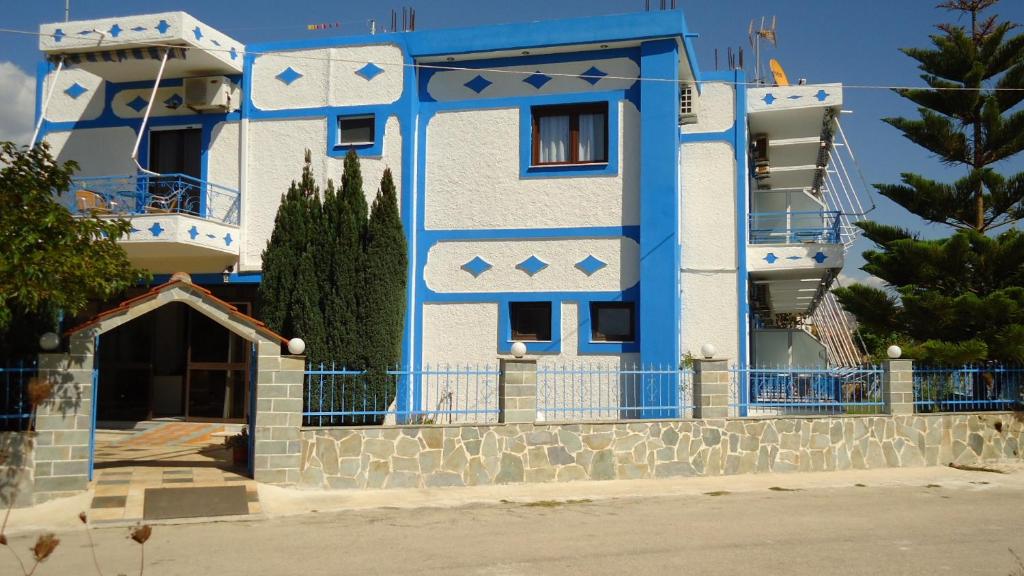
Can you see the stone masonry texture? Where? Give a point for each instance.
(426, 456)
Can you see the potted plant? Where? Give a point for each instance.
(239, 445)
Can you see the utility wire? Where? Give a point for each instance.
(291, 54)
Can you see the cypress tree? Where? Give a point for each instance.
(957, 299)
(384, 296)
(349, 215)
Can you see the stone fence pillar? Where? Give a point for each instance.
(277, 447)
(898, 386)
(517, 391)
(64, 423)
(710, 388)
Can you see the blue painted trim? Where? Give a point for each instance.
(553, 346)
(659, 308)
(205, 279)
(409, 395)
(42, 70)
(742, 211)
(609, 168)
(478, 297)
(381, 115)
(723, 136)
(95, 399)
(433, 236)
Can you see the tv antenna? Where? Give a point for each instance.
(762, 32)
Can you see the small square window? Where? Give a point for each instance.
(612, 322)
(356, 130)
(530, 321)
(570, 134)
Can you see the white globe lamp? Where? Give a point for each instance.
(49, 341)
(296, 346)
(518, 349)
(894, 352)
(708, 351)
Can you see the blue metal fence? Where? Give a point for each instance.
(788, 390)
(438, 395)
(613, 392)
(15, 408)
(794, 227)
(151, 194)
(968, 388)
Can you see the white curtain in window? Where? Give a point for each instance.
(591, 137)
(554, 139)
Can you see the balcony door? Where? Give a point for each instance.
(176, 151)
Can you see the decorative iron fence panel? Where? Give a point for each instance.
(155, 194)
(567, 392)
(782, 391)
(438, 395)
(968, 388)
(15, 408)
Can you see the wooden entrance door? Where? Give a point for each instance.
(217, 372)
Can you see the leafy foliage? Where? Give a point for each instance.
(958, 299)
(49, 259)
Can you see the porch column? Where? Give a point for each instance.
(710, 388)
(517, 391)
(898, 386)
(64, 423)
(278, 418)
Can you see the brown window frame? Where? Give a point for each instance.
(516, 308)
(573, 111)
(597, 336)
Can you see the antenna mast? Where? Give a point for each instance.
(755, 36)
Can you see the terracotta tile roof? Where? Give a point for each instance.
(203, 293)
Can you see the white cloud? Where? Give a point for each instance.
(17, 103)
(845, 279)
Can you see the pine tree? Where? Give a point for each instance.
(290, 292)
(956, 299)
(384, 296)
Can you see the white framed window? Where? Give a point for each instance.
(687, 104)
(357, 130)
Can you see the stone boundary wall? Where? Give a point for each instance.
(424, 456)
(17, 469)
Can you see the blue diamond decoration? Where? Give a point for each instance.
(590, 264)
(211, 236)
(58, 34)
(770, 258)
(768, 98)
(795, 97)
(593, 75)
(139, 29)
(75, 90)
(370, 71)
(477, 266)
(821, 95)
(174, 101)
(137, 104)
(133, 230)
(288, 75)
(537, 79)
(163, 26)
(820, 257)
(198, 32)
(115, 31)
(156, 229)
(193, 232)
(532, 265)
(227, 239)
(478, 84)
(215, 43)
(233, 53)
(792, 257)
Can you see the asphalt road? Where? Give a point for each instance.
(966, 526)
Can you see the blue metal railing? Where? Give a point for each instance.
(613, 392)
(968, 388)
(149, 194)
(15, 408)
(440, 395)
(790, 390)
(820, 227)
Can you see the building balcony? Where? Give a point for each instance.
(177, 222)
(814, 227)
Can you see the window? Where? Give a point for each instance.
(356, 130)
(687, 104)
(530, 321)
(572, 134)
(612, 321)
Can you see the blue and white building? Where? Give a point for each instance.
(580, 185)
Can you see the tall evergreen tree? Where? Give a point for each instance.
(348, 265)
(384, 296)
(956, 299)
(290, 293)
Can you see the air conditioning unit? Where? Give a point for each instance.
(208, 94)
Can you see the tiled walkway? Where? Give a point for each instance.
(160, 455)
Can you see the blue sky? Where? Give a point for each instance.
(853, 42)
